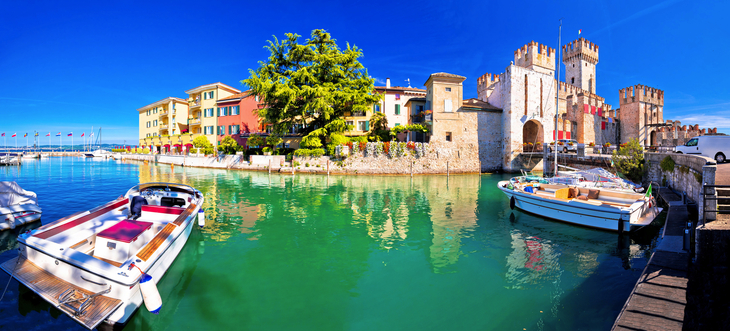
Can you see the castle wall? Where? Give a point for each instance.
(641, 106)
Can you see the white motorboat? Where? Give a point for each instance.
(99, 153)
(100, 265)
(17, 206)
(598, 208)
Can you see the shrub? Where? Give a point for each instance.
(254, 141)
(667, 164)
(629, 160)
(336, 140)
(266, 149)
(228, 145)
(317, 152)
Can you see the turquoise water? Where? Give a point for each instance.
(348, 253)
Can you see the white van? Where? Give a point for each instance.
(716, 147)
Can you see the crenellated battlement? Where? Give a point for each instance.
(565, 89)
(691, 129)
(536, 57)
(641, 93)
(484, 82)
(580, 49)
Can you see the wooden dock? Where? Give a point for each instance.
(50, 288)
(659, 298)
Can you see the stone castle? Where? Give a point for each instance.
(518, 107)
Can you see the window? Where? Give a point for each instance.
(362, 126)
(148, 112)
(447, 106)
(221, 129)
(448, 136)
(154, 123)
(350, 124)
(208, 95)
(208, 129)
(148, 124)
(377, 108)
(397, 109)
(173, 106)
(692, 142)
(154, 111)
(235, 110)
(234, 129)
(210, 112)
(448, 89)
(256, 98)
(419, 109)
(572, 80)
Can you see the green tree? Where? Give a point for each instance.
(310, 84)
(274, 140)
(254, 140)
(202, 144)
(228, 145)
(629, 160)
(378, 128)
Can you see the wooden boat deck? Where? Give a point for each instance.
(181, 219)
(50, 287)
(156, 242)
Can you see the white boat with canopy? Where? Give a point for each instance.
(598, 208)
(100, 265)
(17, 206)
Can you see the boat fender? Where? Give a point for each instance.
(201, 217)
(11, 221)
(150, 294)
(512, 202)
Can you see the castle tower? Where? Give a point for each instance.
(536, 57)
(580, 58)
(641, 106)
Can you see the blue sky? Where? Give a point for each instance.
(68, 66)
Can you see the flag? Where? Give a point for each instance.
(648, 191)
(58, 134)
(36, 134)
(14, 134)
(25, 135)
(83, 133)
(48, 135)
(579, 31)
(3, 134)
(70, 134)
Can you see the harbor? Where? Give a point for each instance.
(388, 242)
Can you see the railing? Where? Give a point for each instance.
(659, 149)
(416, 119)
(164, 113)
(532, 148)
(163, 127)
(358, 113)
(723, 200)
(195, 103)
(195, 121)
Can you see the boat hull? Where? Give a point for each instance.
(572, 212)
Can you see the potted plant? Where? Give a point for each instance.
(266, 150)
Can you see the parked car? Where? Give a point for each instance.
(569, 145)
(716, 147)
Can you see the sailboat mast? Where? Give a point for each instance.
(557, 100)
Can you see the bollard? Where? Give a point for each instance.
(269, 165)
(328, 167)
(447, 168)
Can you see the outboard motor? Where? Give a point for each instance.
(136, 208)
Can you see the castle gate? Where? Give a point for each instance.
(532, 132)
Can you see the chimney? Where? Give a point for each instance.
(387, 82)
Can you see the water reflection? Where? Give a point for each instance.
(360, 252)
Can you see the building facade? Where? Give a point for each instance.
(237, 115)
(162, 118)
(203, 107)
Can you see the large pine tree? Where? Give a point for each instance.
(310, 84)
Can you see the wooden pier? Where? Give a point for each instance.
(659, 298)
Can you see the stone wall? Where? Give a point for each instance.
(438, 159)
(687, 170)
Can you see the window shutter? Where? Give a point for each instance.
(397, 109)
(367, 125)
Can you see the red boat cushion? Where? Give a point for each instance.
(125, 231)
(163, 209)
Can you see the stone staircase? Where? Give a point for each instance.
(723, 203)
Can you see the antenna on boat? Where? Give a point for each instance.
(557, 100)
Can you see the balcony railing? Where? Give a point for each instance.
(358, 113)
(416, 119)
(195, 121)
(195, 103)
(164, 113)
(164, 127)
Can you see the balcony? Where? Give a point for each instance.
(416, 119)
(163, 127)
(195, 121)
(164, 113)
(195, 103)
(358, 113)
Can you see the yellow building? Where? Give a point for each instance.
(202, 102)
(162, 118)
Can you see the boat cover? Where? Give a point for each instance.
(12, 194)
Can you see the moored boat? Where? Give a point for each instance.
(598, 208)
(17, 206)
(100, 265)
